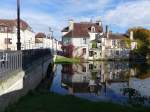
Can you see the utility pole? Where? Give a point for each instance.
(18, 26)
(7, 37)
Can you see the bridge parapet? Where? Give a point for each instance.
(10, 61)
(30, 56)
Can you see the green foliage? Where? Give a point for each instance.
(94, 44)
(127, 42)
(61, 59)
(142, 36)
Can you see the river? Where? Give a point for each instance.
(113, 81)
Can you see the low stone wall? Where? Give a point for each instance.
(21, 82)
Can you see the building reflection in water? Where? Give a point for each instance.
(94, 76)
(113, 81)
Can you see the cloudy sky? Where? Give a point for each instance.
(41, 14)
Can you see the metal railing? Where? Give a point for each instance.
(10, 61)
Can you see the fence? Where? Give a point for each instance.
(15, 60)
(9, 62)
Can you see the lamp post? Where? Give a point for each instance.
(51, 36)
(18, 26)
(7, 36)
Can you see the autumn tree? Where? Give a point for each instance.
(142, 36)
(68, 50)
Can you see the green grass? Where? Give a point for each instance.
(61, 59)
(49, 102)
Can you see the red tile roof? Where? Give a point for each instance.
(40, 35)
(81, 29)
(117, 36)
(13, 23)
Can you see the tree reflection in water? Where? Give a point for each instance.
(134, 97)
(112, 81)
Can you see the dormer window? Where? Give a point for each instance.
(92, 29)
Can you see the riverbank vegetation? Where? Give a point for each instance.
(61, 59)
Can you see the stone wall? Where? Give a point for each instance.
(21, 82)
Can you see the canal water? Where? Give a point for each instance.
(117, 82)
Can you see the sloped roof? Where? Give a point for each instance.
(40, 35)
(66, 29)
(116, 36)
(13, 23)
(82, 29)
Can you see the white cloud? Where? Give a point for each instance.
(135, 13)
(41, 14)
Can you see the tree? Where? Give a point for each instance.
(127, 42)
(142, 37)
(68, 50)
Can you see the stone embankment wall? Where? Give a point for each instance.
(21, 82)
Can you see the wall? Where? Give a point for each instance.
(22, 82)
(27, 40)
(79, 44)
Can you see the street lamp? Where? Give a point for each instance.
(18, 26)
(51, 36)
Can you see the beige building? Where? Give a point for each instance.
(8, 35)
(44, 41)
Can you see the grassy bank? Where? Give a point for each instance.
(61, 59)
(37, 101)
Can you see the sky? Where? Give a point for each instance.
(42, 14)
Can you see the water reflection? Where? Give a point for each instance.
(120, 82)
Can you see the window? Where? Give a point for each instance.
(90, 53)
(100, 54)
(2, 29)
(91, 66)
(117, 52)
(99, 41)
(84, 50)
(84, 69)
(67, 41)
(113, 42)
(84, 41)
(8, 41)
(93, 29)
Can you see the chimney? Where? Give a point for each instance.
(131, 35)
(107, 31)
(99, 22)
(71, 24)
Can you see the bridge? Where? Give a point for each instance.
(22, 71)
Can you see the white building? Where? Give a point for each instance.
(8, 35)
(79, 35)
(90, 42)
(43, 41)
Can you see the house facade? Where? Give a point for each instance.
(46, 41)
(90, 42)
(79, 36)
(8, 35)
